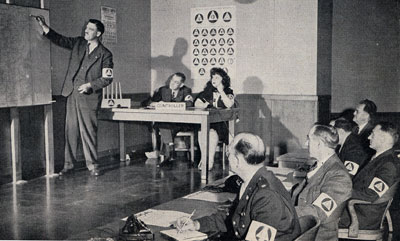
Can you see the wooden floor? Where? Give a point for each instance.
(82, 207)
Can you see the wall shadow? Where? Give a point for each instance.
(164, 66)
(257, 117)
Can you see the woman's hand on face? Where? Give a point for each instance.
(220, 88)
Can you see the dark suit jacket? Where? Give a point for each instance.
(352, 154)
(265, 200)
(385, 167)
(77, 45)
(165, 94)
(363, 136)
(331, 179)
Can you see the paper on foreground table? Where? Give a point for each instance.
(184, 235)
(161, 218)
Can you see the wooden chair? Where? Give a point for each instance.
(353, 232)
(309, 227)
(191, 149)
(191, 135)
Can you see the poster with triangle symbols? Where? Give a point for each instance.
(213, 38)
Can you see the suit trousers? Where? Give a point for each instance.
(81, 121)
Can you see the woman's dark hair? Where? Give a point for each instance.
(226, 80)
(99, 25)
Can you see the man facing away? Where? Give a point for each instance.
(351, 152)
(325, 190)
(90, 69)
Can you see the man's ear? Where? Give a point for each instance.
(98, 34)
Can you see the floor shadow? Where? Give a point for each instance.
(164, 66)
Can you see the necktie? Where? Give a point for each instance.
(88, 49)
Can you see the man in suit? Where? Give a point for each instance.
(173, 91)
(327, 187)
(90, 69)
(363, 116)
(373, 181)
(351, 152)
(261, 201)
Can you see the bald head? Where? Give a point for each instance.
(250, 146)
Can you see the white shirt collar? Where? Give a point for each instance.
(361, 127)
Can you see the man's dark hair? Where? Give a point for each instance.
(346, 125)
(226, 80)
(389, 128)
(250, 152)
(180, 75)
(369, 107)
(99, 25)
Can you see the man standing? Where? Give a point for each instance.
(262, 200)
(324, 192)
(90, 69)
(351, 152)
(363, 116)
(375, 179)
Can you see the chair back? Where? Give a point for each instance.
(387, 197)
(309, 227)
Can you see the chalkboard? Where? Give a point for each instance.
(25, 74)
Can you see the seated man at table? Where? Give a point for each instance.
(173, 91)
(351, 152)
(381, 172)
(327, 187)
(261, 201)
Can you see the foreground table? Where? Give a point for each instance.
(204, 117)
(198, 200)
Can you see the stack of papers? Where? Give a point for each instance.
(161, 218)
(184, 235)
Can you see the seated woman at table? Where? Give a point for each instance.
(216, 94)
(262, 201)
(173, 91)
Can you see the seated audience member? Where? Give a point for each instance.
(262, 198)
(325, 190)
(371, 182)
(363, 116)
(350, 152)
(173, 91)
(217, 94)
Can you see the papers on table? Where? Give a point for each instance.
(162, 218)
(184, 235)
(211, 196)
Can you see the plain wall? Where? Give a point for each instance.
(365, 54)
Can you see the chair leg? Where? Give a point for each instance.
(223, 156)
(389, 221)
(192, 147)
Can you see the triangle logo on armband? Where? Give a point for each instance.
(107, 73)
(378, 186)
(260, 231)
(352, 167)
(325, 203)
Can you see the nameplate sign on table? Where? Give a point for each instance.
(170, 106)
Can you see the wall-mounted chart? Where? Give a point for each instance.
(213, 38)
